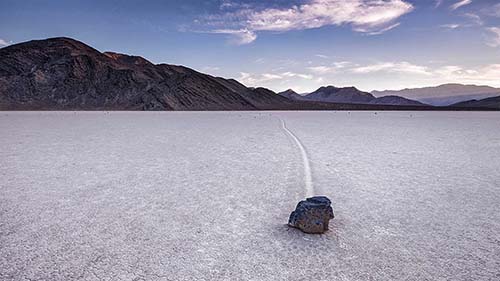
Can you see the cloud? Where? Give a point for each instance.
(451, 26)
(493, 11)
(299, 75)
(321, 69)
(321, 56)
(487, 74)
(342, 64)
(460, 3)
(4, 43)
(395, 74)
(210, 69)
(240, 37)
(494, 37)
(366, 16)
(476, 19)
(392, 67)
(257, 79)
(473, 20)
(438, 3)
(262, 78)
(384, 29)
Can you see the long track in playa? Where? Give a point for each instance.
(308, 182)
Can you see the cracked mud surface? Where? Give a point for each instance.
(205, 196)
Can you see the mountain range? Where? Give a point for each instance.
(348, 95)
(443, 95)
(66, 74)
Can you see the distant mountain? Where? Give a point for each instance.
(443, 95)
(492, 103)
(62, 73)
(340, 95)
(291, 94)
(349, 95)
(396, 100)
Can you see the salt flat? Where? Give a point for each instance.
(206, 195)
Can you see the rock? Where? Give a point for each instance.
(312, 215)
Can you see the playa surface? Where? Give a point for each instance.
(206, 195)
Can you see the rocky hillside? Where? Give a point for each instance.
(62, 73)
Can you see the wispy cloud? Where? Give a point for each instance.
(240, 37)
(252, 79)
(366, 16)
(299, 75)
(392, 67)
(487, 74)
(210, 69)
(4, 43)
(383, 30)
(494, 37)
(493, 11)
(438, 3)
(474, 18)
(321, 69)
(451, 26)
(460, 3)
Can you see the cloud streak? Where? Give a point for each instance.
(4, 43)
(393, 67)
(250, 79)
(365, 16)
(494, 39)
(460, 3)
(240, 37)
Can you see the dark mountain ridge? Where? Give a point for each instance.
(62, 73)
(490, 103)
(349, 95)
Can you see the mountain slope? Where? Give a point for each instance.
(444, 94)
(62, 73)
(351, 95)
(395, 100)
(291, 94)
(340, 95)
(493, 103)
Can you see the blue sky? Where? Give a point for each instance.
(370, 44)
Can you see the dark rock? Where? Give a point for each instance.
(312, 215)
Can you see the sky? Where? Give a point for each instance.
(278, 44)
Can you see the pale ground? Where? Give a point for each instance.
(205, 196)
